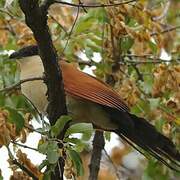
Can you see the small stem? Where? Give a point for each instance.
(19, 83)
(24, 146)
(21, 166)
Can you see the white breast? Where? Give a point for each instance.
(33, 90)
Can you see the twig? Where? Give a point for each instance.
(9, 29)
(147, 62)
(114, 166)
(153, 59)
(24, 146)
(33, 105)
(35, 130)
(70, 33)
(54, 19)
(164, 13)
(15, 86)
(3, 11)
(98, 146)
(165, 31)
(157, 33)
(94, 5)
(23, 168)
(114, 50)
(84, 9)
(140, 76)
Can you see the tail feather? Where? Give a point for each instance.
(138, 131)
(155, 140)
(154, 154)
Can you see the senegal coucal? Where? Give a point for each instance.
(90, 100)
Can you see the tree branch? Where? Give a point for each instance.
(17, 85)
(153, 59)
(23, 168)
(24, 146)
(70, 33)
(98, 146)
(164, 13)
(165, 31)
(140, 76)
(94, 5)
(36, 19)
(119, 176)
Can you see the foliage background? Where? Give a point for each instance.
(132, 40)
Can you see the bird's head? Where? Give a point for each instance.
(26, 56)
(25, 52)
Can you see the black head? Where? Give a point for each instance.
(25, 52)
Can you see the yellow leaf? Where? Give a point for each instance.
(177, 121)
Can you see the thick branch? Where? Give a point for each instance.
(36, 19)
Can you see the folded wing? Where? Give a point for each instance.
(79, 84)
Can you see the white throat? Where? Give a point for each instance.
(31, 67)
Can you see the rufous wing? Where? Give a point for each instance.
(82, 85)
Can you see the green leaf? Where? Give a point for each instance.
(146, 176)
(76, 159)
(147, 84)
(73, 140)
(47, 175)
(92, 18)
(2, 100)
(141, 106)
(89, 52)
(154, 103)
(42, 148)
(159, 124)
(59, 125)
(86, 136)
(51, 149)
(1, 177)
(101, 15)
(83, 24)
(153, 47)
(53, 152)
(78, 144)
(93, 45)
(79, 128)
(131, 22)
(43, 164)
(80, 147)
(16, 118)
(154, 170)
(126, 43)
(107, 135)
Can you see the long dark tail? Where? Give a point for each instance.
(135, 130)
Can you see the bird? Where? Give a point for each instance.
(90, 100)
